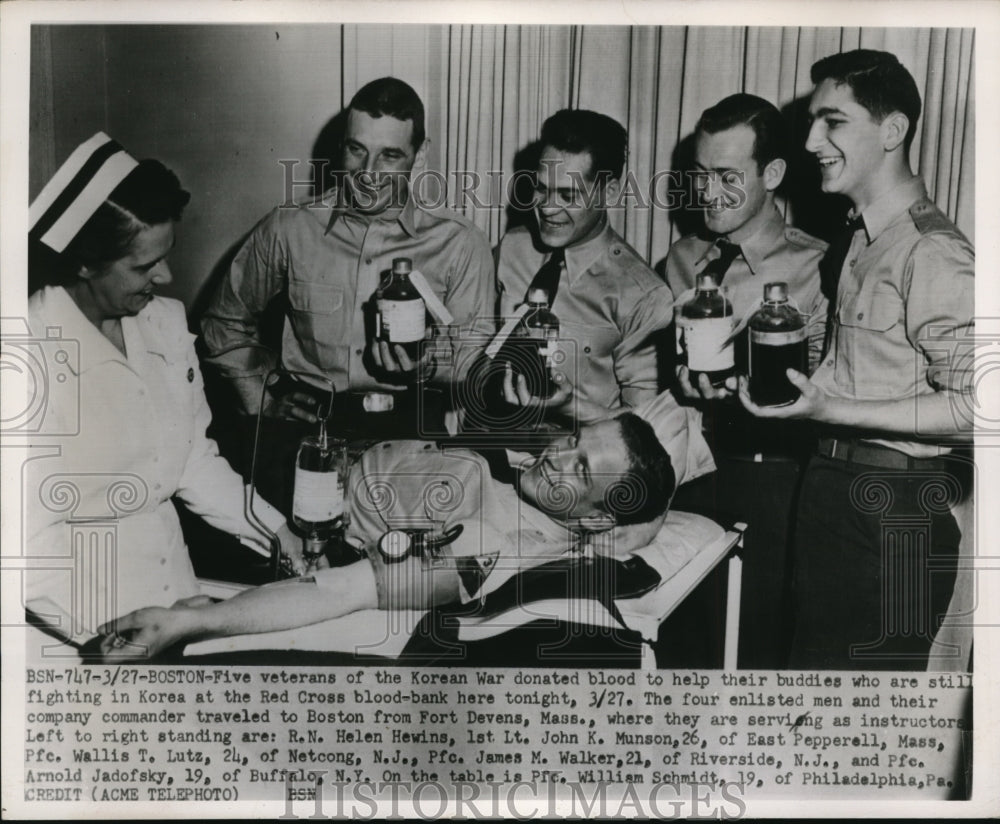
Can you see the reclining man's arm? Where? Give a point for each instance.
(283, 605)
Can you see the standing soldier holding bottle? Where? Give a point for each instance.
(327, 258)
(740, 157)
(885, 393)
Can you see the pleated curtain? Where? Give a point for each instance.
(489, 88)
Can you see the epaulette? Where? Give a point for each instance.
(797, 236)
(929, 218)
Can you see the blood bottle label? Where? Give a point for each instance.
(318, 496)
(777, 338)
(706, 342)
(402, 321)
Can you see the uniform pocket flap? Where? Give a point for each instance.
(315, 298)
(879, 310)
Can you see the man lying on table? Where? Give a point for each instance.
(614, 479)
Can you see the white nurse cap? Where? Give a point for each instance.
(77, 189)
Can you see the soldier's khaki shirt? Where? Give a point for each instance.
(776, 252)
(329, 261)
(610, 306)
(904, 317)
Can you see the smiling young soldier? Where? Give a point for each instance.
(886, 389)
(609, 303)
(328, 256)
(740, 153)
(613, 475)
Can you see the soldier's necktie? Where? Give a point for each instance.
(718, 267)
(548, 274)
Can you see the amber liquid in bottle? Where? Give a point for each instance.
(777, 342)
(706, 326)
(402, 315)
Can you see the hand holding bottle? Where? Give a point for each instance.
(396, 361)
(702, 388)
(563, 401)
(399, 347)
(516, 391)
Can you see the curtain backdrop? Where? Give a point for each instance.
(223, 104)
(504, 81)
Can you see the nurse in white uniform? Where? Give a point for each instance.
(125, 418)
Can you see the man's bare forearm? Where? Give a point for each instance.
(284, 605)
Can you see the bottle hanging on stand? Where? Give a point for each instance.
(318, 509)
(777, 342)
(401, 316)
(705, 327)
(539, 334)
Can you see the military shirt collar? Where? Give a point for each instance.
(580, 257)
(756, 248)
(884, 210)
(769, 236)
(334, 199)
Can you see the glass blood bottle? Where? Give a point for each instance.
(401, 316)
(777, 342)
(538, 335)
(705, 327)
(318, 504)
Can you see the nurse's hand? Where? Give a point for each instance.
(291, 548)
(146, 632)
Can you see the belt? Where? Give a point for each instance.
(870, 454)
(758, 457)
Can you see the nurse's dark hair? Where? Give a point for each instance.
(391, 96)
(645, 491)
(579, 130)
(763, 117)
(149, 195)
(880, 83)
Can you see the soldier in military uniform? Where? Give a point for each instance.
(740, 157)
(610, 304)
(885, 392)
(486, 532)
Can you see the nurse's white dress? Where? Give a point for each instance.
(121, 435)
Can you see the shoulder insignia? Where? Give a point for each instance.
(797, 236)
(928, 218)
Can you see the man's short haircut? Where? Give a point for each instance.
(880, 83)
(391, 96)
(763, 117)
(645, 492)
(580, 130)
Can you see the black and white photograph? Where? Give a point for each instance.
(494, 411)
